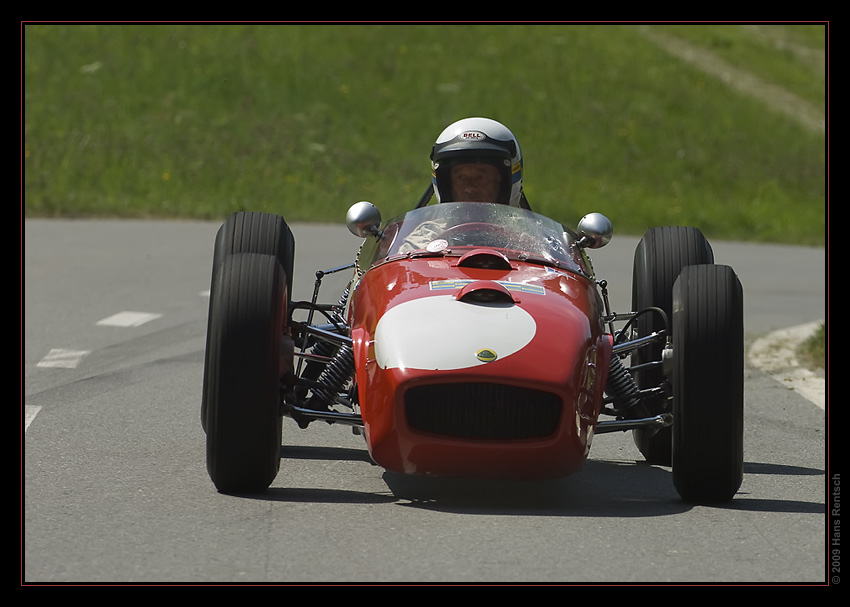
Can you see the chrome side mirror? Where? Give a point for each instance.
(364, 219)
(595, 231)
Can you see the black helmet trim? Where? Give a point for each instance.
(483, 146)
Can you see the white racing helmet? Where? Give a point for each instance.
(478, 140)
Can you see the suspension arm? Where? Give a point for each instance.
(621, 425)
(326, 335)
(630, 346)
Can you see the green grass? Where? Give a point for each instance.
(812, 352)
(196, 121)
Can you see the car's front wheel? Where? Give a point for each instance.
(249, 232)
(242, 373)
(708, 384)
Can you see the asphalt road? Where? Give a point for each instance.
(115, 488)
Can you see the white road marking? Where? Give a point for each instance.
(128, 319)
(62, 358)
(29, 414)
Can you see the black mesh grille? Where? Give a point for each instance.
(482, 411)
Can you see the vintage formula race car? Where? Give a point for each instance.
(474, 340)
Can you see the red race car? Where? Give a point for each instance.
(474, 340)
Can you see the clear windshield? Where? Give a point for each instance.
(454, 228)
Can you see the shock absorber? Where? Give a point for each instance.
(334, 377)
(621, 386)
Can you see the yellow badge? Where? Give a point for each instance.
(485, 355)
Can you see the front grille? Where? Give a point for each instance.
(482, 411)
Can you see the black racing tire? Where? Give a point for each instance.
(255, 232)
(250, 232)
(659, 258)
(242, 373)
(708, 384)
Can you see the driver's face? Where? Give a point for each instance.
(475, 183)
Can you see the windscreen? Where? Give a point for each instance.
(454, 228)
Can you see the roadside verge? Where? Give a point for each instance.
(775, 355)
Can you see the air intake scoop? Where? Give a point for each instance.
(485, 259)
(486, 291)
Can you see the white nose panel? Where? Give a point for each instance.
(442, 333)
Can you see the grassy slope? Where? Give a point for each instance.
(201, 120)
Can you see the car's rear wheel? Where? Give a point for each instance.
(659, 257)
(708, 384)
(249, 232)
(242, 373)
(255, 232)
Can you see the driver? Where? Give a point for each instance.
(475, 182)
(477, 160)
(473, 160)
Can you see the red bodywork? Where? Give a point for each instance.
(529, 414)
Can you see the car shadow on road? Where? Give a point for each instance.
(307, 452)
(602, 488)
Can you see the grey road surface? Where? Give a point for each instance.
(115, 488)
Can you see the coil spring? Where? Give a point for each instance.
(339, 370)
(621, 385)
(335, 375)
(343, 299)
(323, 348)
